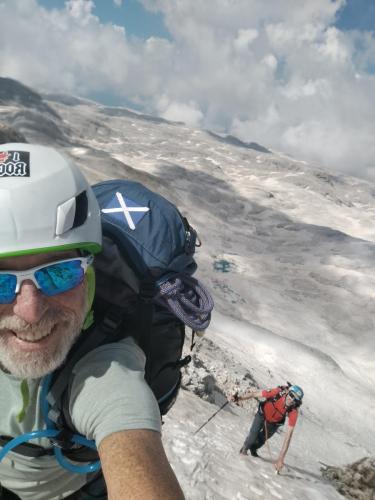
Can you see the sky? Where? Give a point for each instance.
(293, 75)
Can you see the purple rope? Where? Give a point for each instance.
(187, 299)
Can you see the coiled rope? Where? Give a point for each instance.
(187, 299)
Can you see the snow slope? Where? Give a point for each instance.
(288, 252)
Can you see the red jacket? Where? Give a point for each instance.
(275, 411)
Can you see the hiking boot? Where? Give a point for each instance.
(253, 452)
(243, 451)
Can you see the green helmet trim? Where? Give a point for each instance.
(89, 247)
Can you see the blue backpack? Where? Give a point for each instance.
(144, 288)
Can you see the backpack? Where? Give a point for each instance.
(144, 288)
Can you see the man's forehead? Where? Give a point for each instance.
(32, 260)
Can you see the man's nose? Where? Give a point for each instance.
(30, 303)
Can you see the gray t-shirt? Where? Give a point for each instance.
(109, 394)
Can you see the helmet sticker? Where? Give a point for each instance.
(14, 164)
(3, 156)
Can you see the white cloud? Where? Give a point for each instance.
(80, 9)
(335, 48)
(274, 72)
(244, 38)
(299, 88)
(179, 111)
(270, 61)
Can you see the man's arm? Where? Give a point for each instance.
(135, 467)
(247, 395)
(288, 436)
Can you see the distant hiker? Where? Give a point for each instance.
(279, 403)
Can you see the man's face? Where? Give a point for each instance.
(289, 400)
(37, 331)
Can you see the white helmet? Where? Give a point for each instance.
(45, 203)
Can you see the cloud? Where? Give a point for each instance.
(244, 38)
(65, 50)
(177, 111)
(118, 3)
(277, 72)
(80, 9)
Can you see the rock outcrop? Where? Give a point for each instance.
(355, 481)
(9, 134)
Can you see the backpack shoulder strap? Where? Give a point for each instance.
(147, 292)
(108, 329)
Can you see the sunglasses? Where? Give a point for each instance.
(293, 396)
(51, 279)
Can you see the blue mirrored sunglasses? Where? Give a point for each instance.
(51, 279)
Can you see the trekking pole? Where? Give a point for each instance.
(212, 416)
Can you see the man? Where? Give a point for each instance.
(49, 230)
(280, 402)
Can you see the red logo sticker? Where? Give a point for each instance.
(4, 155)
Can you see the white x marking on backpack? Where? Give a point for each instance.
(126, 210)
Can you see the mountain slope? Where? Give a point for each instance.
(288, 251)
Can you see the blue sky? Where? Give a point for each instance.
(356, 14)
(130, 14)
(143, 23)
(137, 20)
(296, 76)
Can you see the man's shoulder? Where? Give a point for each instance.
(108, 392)
(124, 352)
(270, 393)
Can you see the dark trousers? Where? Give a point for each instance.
(257, 434)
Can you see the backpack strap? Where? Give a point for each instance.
(109, 329)
(26, 449)
(99, 334)
(146, 295)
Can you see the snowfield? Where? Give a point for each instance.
(289, 255)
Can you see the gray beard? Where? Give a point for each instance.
(29, 365)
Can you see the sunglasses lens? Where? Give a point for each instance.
(8, 283)
(61, 277)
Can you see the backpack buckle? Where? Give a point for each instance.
(112, 320)
(63, 440)
(190, 241)
(184, 361)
